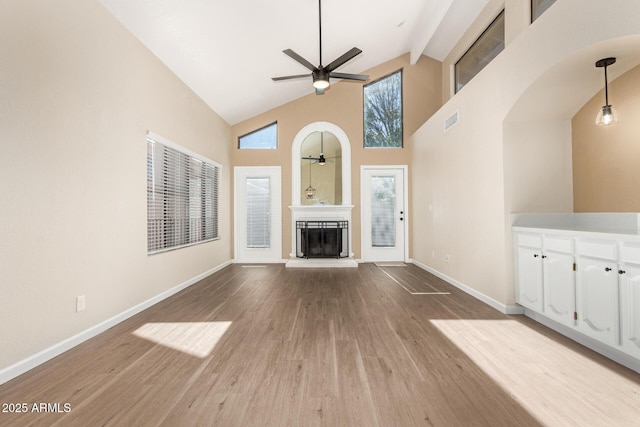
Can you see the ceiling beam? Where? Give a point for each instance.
(426, 26)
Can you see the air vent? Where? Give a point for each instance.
(451, 121)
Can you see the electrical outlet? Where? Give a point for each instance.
(81, 303)
(446, 258)
(433, 254)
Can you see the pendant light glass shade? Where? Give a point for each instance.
(310, 192)
(607, 114)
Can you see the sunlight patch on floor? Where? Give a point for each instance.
(194, 338)
(554, 383)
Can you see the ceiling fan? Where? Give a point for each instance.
(321, 74)
(320, 160)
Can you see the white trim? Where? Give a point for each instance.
(168, 143)
(43, 356)
(506, 309)
(405, 184)
(599, 347)
(322, 263)
(296, 154)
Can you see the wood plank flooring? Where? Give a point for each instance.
(270, 346)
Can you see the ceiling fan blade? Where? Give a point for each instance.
(300, 59)
(344, 58)
(298, 76)
(310, 158)
(349, 76)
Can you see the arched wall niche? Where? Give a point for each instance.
(296, 153)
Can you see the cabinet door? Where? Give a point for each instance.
(530, 278)
(559, 287)
(597, 299)
(630, 299)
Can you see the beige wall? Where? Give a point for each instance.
(77, 94)
(342, 105)
(606, 168)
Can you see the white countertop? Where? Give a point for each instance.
(623, 223)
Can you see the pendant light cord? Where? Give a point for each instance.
(606, 86)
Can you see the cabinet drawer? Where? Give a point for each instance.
(602, 250)
(630, 253)
(530, 240)
(558, 244)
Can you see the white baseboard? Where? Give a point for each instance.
(31, 362)
(503, 308)
(595, 345)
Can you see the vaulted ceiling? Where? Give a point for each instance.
(226, 51)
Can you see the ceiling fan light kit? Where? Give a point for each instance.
(321, 74)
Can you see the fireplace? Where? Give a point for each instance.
(322, 239)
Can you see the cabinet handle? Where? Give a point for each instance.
(621, 271)
(544, 256)
(607, 269)
(536, 255)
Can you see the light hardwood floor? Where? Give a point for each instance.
(372, 346)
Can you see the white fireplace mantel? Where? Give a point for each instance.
(320, 213)
(301, 212)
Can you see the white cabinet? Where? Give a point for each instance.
(530, 278)
(597, 299)
(585, 284)
(559, 287)
(630, 302)
(545, 275)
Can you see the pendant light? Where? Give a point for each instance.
(607, 114)
(310, 191)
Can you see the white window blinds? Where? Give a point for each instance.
(182, 197)
(258, 212)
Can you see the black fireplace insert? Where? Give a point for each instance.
(322, 239)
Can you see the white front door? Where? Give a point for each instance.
(258, 212)
(384, 213)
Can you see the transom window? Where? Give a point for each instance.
(264, 138)
(383, 112)
(182, 197)
(482, 51)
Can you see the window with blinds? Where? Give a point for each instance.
(182, 197)
(258, 205)
(383, 208)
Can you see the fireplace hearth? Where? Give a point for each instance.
(322, 239)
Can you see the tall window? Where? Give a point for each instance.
(182, 197)
(538, 7)
(263, 138)
(383, 112)
(482, 51)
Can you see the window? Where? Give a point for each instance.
(538, 7)
(482, 51)
(263, 138)
(182, 197)
(383, 112)
(258, 206)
